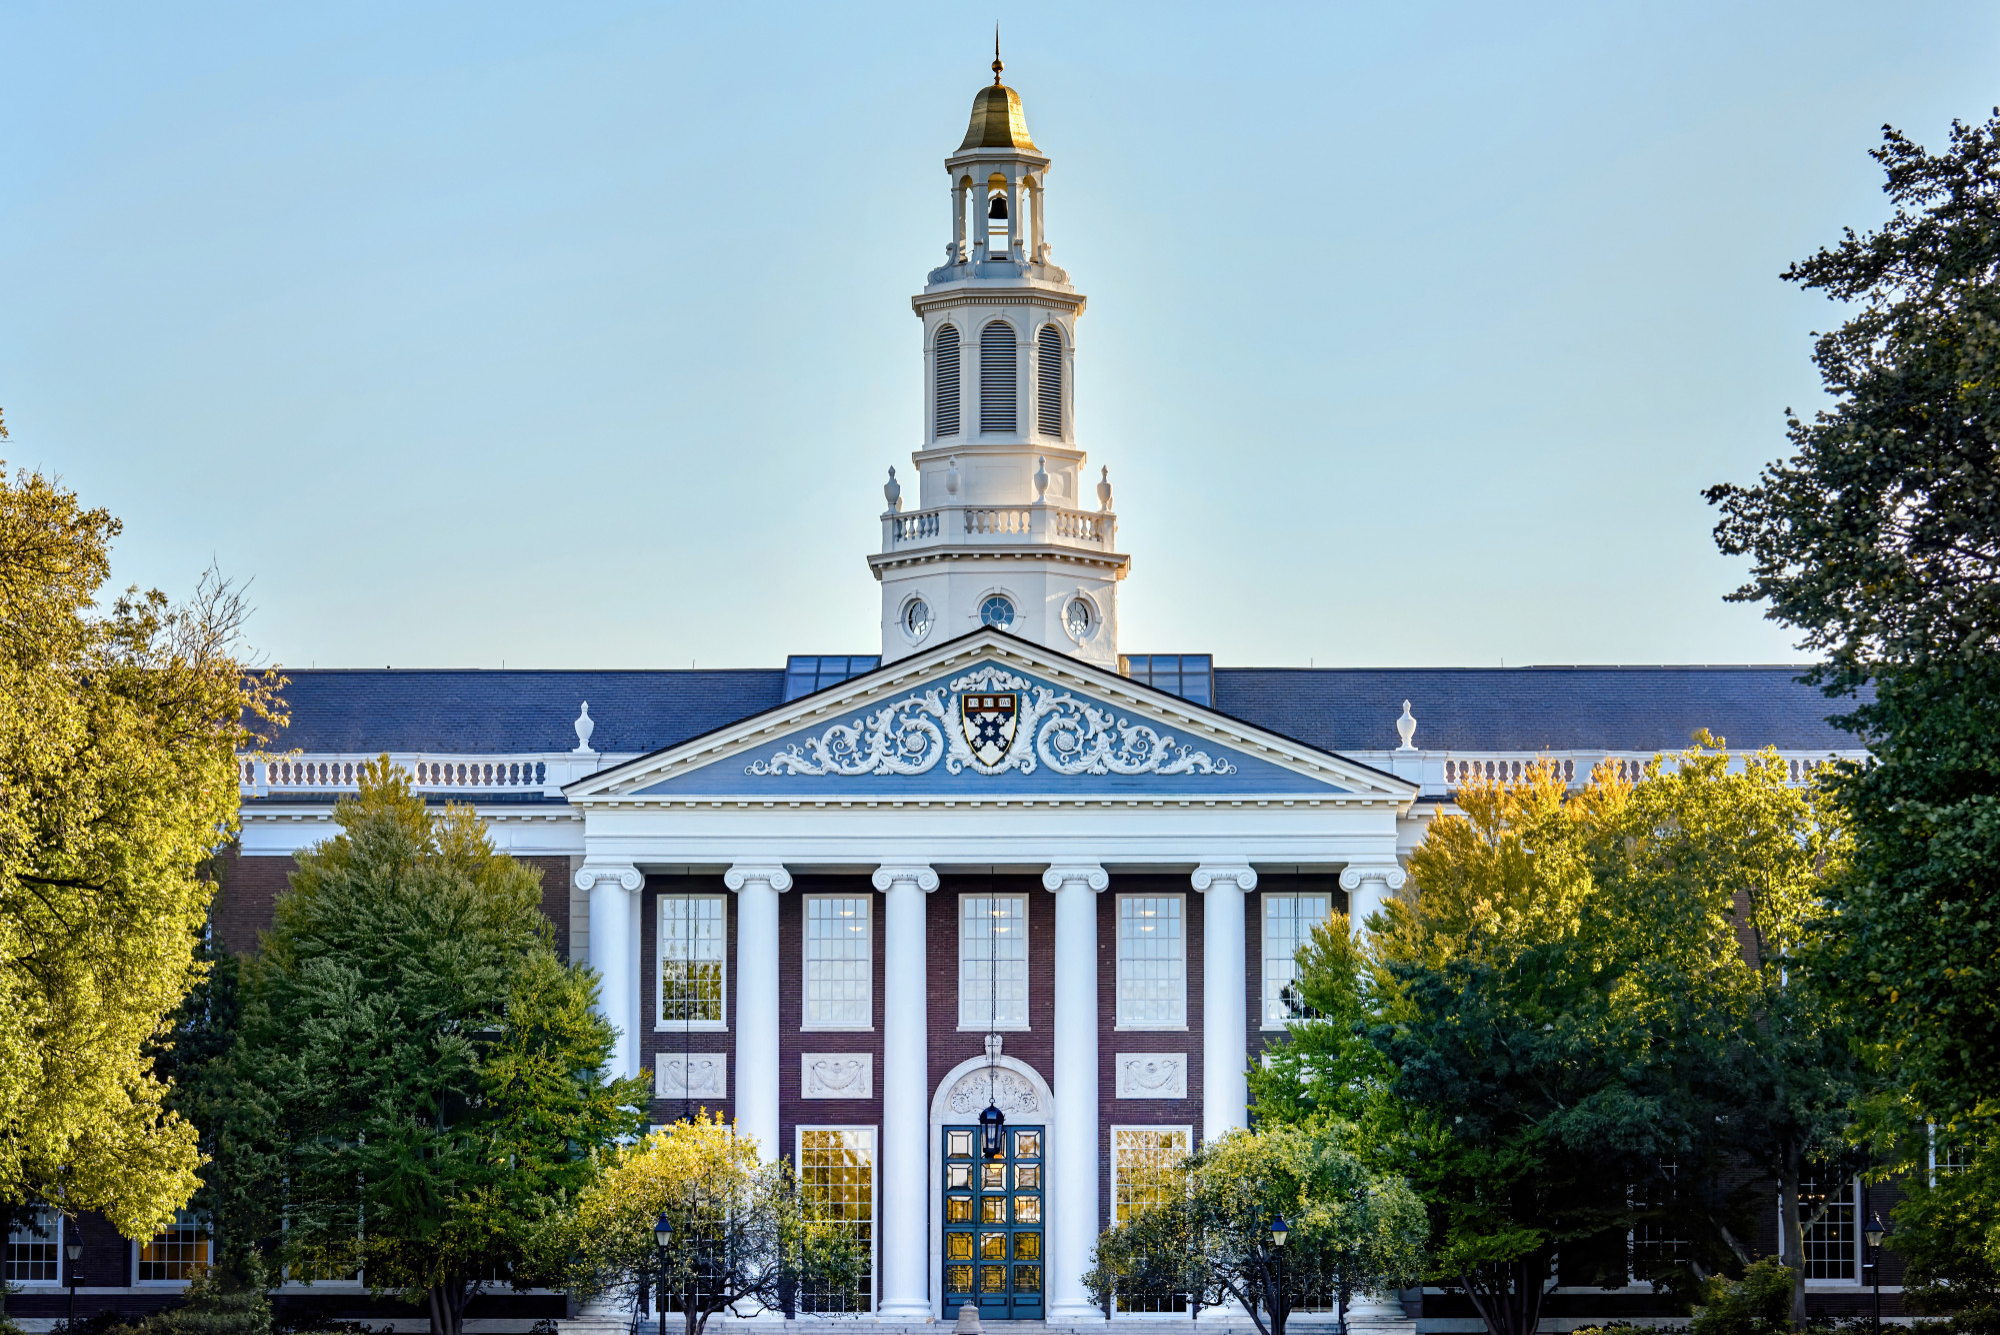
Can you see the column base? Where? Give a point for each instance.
(903, 1309)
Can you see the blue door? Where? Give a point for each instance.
(993, 1224)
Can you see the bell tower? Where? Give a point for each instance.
(1006, 527)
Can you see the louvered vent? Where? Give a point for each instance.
(996, 377)
(946, 354)
(1048, 389)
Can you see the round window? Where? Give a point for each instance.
(1079, 618)
(916, 618)
(996, 611)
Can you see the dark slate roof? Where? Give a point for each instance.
(1535, 708)
(472, 711)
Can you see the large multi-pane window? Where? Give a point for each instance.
(691, 961)
(1143, 1159)
(993, 962)
(177, 1253)
(1288, 924)
(837, 1170)
(1827, 1209)
(1152, 963)
(840, 978)
(1657, 1245)
(34, 1249)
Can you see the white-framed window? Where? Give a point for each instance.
(34, 1249)
(1141, 1159)
(177, 1253)
(692, 961)
(839, 991)
(1830, 1213)
(836, 1166)
(1289, 920)
(1152, 962)
(992, 962)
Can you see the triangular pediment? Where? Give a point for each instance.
(989, 716)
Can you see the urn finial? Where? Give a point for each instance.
(1104, 488)
(585, 725)
(1406, 728)
(1041, 478)
(892, 491)
(951, 477)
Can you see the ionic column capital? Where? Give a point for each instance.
(1356, 874)
(1077, 873)
(1240, 875)
(887, 876)
(621, 874)
(757, 873)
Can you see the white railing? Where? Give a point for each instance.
(537, 772)
(999, 524)
(1441, 772)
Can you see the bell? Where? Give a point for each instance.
(968, 1320)
(998, 208)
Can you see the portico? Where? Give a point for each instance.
(874, 788)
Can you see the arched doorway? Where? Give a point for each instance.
(1023, 1095)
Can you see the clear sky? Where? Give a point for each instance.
(579, 334)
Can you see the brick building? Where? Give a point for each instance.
(1004, 859)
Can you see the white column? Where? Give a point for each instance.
(1073, 1148)
(613, 888)
(757, 889)
(1225, 1092)
(957, 251)
(1368, 886)
(904, 1171)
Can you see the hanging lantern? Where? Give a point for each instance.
(992, 1133)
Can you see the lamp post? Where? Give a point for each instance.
(663, 1234)
(1280, 1230)
(1874, 1233)
(72, 1253)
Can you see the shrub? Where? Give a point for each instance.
(1758, 1304)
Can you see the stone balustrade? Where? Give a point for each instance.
(1441, 772)
(538, 772)
(1001, 525)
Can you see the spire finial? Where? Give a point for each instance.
(997, 66)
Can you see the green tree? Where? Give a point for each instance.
(1731, 860)
(1522, 1032)
(745, 1236)
(1946, 1228)
(1878, 541)
(1326, 1071)
(118, 734)
(1209, 1233)
(437, 1074)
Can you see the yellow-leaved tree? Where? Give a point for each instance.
(118, 733)
(744, 1235)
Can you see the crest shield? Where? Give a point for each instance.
(988, 722)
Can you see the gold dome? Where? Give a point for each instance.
(997, 121)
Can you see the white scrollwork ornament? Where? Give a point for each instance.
(906, 737)
(1008, 1090)
(1069, 735)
